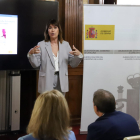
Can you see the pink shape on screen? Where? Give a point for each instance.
(4, 33)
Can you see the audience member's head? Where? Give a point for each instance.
(104, 102)
(50, 117)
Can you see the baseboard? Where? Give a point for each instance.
(83, 132)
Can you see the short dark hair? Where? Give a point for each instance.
(55, 23)
(104, 101)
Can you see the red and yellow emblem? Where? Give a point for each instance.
(99, 32)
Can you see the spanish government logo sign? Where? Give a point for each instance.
(99, 32)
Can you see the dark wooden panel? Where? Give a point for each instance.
(109, 1)
(74, 98)
(73, 22)
(93, 1)
(73, 34)
(76, 71)
(62, 16)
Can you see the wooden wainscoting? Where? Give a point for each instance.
(74, 96)
(73, 34)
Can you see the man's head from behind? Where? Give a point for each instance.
(103, 102)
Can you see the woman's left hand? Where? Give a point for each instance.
(75, 52)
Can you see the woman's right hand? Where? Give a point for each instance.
(34, 50)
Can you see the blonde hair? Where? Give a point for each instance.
(50, 117)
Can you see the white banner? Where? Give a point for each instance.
(111, 58)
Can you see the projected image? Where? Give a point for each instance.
(8, 34)
(4, 33)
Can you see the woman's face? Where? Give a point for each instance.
(53, 31)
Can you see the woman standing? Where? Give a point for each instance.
(50, 119)
(53, 55)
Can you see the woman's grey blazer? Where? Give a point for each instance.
(45, 61)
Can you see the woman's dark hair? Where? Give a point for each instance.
(55, 23)
(104, 101)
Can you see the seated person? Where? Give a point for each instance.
(111, 124)
(50, 119)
